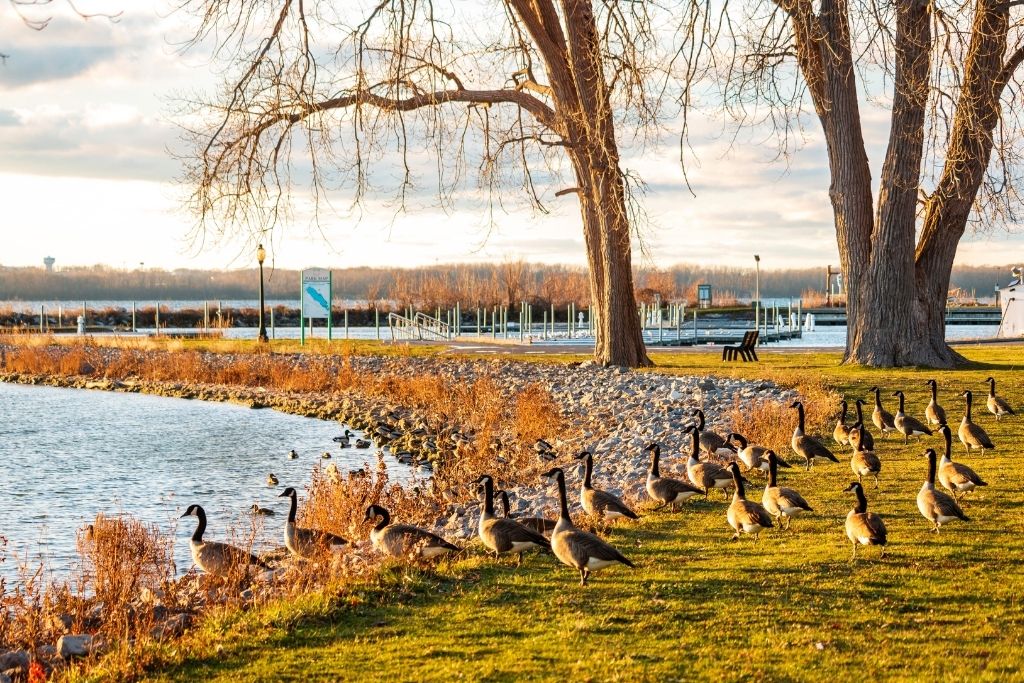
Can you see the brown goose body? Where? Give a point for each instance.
(711, 442)
(909, 426)
(579, 549)
(665, 490)
(934, 413)
(781, 501)
(216, 558)
(303, 542)
(865, 436)
(864, 462)
(937, 507)
(997, 405)
(971, 435)
(706, 475)
(841, 433)
(541, 525)
(882, 418)
(863, 527)
(597, 502)
(956, 477)
(805, 446)
(744, 516)
(405, 540)
(503, 535)
(753, 456)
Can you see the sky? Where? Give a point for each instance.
(87, 127)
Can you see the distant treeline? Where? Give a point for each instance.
(491, 284)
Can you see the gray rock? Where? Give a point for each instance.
(14, 659)
(172, 627)
(78, 645)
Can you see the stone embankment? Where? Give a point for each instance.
(613, 412)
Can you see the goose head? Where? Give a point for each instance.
(931, 383)
(652, 448)
(288, 493)
(555, 472)
(854, 486)
(796, 404)
(373, 512)
(193, 511)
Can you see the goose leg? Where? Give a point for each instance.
(519, 560)
(854, 557)
(583, 576)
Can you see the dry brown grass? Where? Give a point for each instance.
(770, 423)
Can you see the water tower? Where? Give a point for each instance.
(48, 262)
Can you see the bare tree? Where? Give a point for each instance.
(524, 90)
(950, 75)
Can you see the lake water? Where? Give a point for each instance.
(72, 453)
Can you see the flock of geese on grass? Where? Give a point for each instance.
(587, 552)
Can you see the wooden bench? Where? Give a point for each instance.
(747, 349)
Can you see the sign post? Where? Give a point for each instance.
(314, 299)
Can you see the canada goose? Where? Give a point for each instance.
(863, 527)
(292, 455)
(781, 501)
(971, 435)
(864, 462)
(597, 502)
(753, 457)
(807, 446)
(579, 549)
(841, 433)
(997, 405)
(665, 490)
(955, 476)
(541, 525)
(745, 516)
(865, 435)
(936, 506)
(906, 425)
(213, 557)
(711, 442)
(882, 418)
(305, 542)
(505, 535)
(404, 540)
(362, 443)
(934, 413)
(707, 475)
(257, 511)
(271, 479)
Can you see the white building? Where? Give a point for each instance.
(1011, 300)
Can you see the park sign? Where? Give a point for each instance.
(315, 298)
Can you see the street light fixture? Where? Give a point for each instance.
(261, 254)
(757, 291)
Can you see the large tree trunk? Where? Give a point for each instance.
(583, 97)
(896, 294)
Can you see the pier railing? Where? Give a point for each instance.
(420, 326)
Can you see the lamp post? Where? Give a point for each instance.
(261, 254)
(757, 291)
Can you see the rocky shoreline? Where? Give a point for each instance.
(613, 412)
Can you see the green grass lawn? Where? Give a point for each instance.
(790, 607)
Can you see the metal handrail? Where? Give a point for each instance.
(418, 326)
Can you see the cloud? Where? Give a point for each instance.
(33, 65)
(9, 117)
